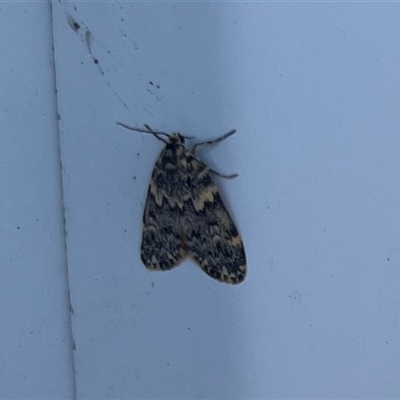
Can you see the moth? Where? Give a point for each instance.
(184, 215)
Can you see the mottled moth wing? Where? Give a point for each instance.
(210, 234)
(162, 248)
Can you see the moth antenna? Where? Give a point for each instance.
(147, 130)
(151, 131)
(163, 133)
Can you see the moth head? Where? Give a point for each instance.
(177, 138)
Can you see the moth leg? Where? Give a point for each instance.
(214, 141)
(230, 176)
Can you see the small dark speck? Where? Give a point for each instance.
(73, 24)
(18, 227)
(138, 154)
(295, 296)
(153, 84)
(75, 9)
(95, 60)
(188, 328)
(134, 177)
(388, 259)
(152, 284)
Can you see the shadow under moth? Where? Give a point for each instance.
(184, 215)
